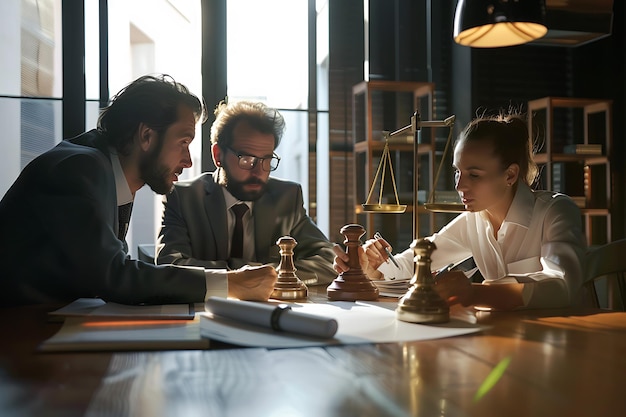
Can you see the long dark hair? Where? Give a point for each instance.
(152, 99)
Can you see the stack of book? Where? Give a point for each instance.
(583, 149)
(394, 288)
(581, 201)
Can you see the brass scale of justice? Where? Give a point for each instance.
(421, 303)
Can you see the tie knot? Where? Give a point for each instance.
(239, 210)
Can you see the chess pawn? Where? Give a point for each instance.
(421, 303)
(288, 286)
(352, 284)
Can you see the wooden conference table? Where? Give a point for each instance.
(534, 363)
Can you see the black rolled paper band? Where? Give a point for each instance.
(280, 309)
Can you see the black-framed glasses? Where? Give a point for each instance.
(248, 162)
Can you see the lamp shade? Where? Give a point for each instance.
(496, 23)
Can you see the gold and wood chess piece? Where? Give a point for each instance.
(421, 303)
(352, 284)
(288, 286)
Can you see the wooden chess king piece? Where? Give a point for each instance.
(421, 303)
(288, 286)
(353, 284)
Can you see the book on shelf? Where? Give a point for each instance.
(96, 308)
(583, 149)
(580, 201)
(91, 324)
(86, 334)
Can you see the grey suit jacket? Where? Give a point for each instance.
(58, 224)
(194, 229)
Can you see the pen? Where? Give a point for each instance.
(377, 236)
(443, 270)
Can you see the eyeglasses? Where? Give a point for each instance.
(248, 162)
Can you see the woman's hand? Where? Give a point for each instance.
(375, 251)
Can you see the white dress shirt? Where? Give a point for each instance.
(124, 195)
(540, 244)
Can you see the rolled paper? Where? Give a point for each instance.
(278, 317)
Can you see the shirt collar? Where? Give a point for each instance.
(521, 210)
(122, 189)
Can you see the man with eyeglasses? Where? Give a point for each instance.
(200, 226)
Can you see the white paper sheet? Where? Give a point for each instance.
(392, 288)
(359, 322)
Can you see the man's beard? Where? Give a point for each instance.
(154, 174)
(236, 187)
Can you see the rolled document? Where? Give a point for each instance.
(278, 317)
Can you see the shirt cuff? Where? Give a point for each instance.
(216, 283)
(546, 293)
(389, 271)
(527, 293)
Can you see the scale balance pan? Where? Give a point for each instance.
(385, 208)
(445, 207)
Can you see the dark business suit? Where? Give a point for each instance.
(194, 229)
(58, 223)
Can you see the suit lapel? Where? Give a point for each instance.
(97, 140)
(215, 208)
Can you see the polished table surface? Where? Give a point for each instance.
(532, 363)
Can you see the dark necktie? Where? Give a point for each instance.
(236, 247)
(123, 217)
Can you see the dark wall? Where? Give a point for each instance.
(599, 71)
(397, 49)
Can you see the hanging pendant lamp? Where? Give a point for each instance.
(497, 23)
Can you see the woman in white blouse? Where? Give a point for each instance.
(528, 245)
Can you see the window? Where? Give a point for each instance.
(268, 61)
(166, 40)
(30, 83)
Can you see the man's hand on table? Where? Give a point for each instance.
(252, 283)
